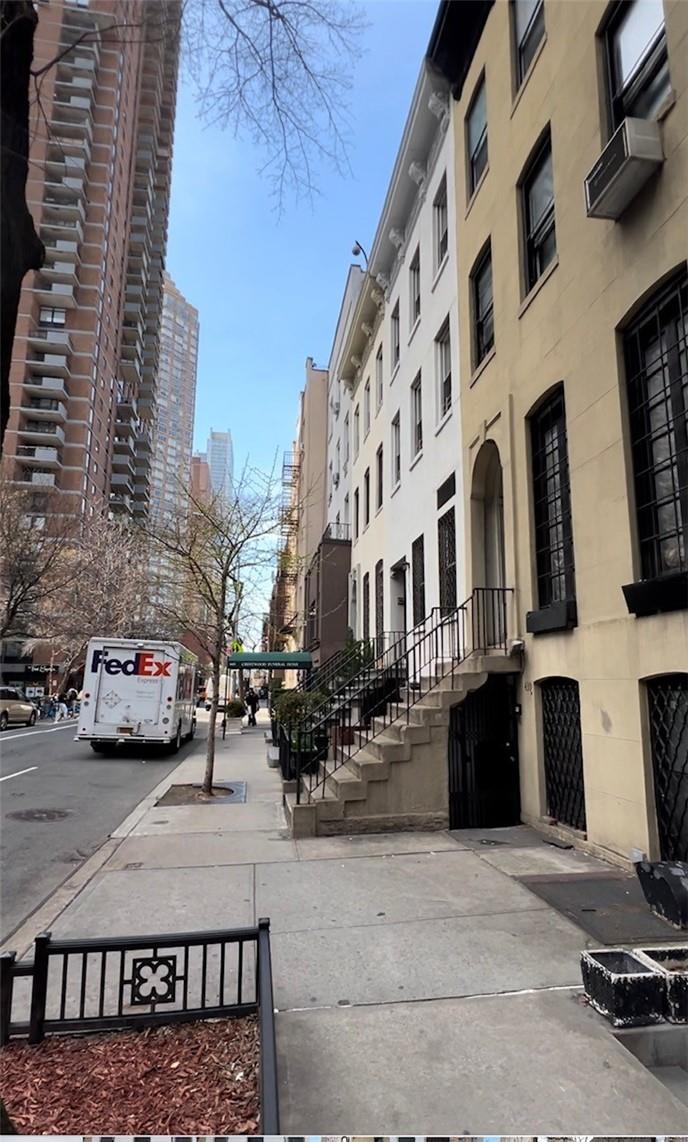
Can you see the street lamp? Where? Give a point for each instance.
(357, 250)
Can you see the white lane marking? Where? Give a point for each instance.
(19, 773)
(9, 736)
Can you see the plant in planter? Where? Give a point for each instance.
(308, 740)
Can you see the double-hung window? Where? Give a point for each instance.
(396, 451)
(357, 431)
(395, 336)
(656, 358)
(483, 314)
(356, 514)
(347, 428)
(476, 136)
(440, 224)
(380, 475)
(379, 386)
(366, 498)
(416, 417)
(444, 370)
(529, 28)
(537, 189)
(552, 503)
(637, 62)
(414, 288)
(366, 409)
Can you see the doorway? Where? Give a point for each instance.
(487, 530)
(484, 787)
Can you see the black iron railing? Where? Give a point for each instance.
(385, 691)
(145, 981)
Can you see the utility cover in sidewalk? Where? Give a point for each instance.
(611, 909)
(224, 793)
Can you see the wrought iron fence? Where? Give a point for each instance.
(145, 981)
(405, 670)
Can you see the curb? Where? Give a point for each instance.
(39, 921)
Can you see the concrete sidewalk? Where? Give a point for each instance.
(419, 987)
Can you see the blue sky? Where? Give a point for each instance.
(268, 289)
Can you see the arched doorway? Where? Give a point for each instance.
(487, 542)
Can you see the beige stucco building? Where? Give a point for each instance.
(574, 393)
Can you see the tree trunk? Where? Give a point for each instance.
(22, 249)
(212, 722)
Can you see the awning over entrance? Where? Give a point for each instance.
(275, 659)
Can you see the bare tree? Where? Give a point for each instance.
(104, 591)
(214, 552)
(33, 558)
(278, 69)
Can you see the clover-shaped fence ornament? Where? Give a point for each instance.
(153, 979)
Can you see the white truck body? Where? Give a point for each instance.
(137, 690)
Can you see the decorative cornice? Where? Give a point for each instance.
(396, 237)
(382, 280)
(367, 329)
(355, 361)
(438, 104)
(378, 297)
(418, 172)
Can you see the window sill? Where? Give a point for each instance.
(395, 489)
(439, 271)
(476, 188)
(480, 369)
(378, 510)
(524, 82)
(395, 370)
(441, 423)
(556, 617)
(657, 596)
(534, 290)
(666, 107)
(416, 459)
(412, 334)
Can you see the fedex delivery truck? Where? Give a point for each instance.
(137, 691)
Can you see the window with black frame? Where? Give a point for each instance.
(446, 544)
(476, 136)
(418, 578)
(537, 189)
(366, 605)
(366, 498)
(656, 359)
(529, 29)
(379, 600)
(637, 60)
(483, 306)
(554, 559)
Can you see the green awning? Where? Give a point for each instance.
(278, 660)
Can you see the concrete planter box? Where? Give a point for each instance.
(273, 756)
(673, 965)
(623, 988)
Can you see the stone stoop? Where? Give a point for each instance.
(397, 778)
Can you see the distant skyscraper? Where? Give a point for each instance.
(220, 456)
(176, 393)
(200, 476)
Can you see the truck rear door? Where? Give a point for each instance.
(130, 688)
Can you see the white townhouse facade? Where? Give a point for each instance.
(400, 360)
(339, 414)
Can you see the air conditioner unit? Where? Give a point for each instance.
(631, 156)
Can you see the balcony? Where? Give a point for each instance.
(48, 386)
(120, 502)
(58, 295)
(122, 482)
(45, 407)
(31, 454)
(123, 460)
(72, 122)
(67, 83)
(51, 336)
(60, 250)
(338, 532)
(43, 432)
(60, 229)
(70, 142)
(37, 477)
(54, 364)
(86, 61)
(63, 204)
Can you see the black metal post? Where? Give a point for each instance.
(6, 986)
(269, 1089)
(39, 989)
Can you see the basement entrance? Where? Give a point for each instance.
(484, 790)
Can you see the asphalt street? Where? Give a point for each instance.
(59, 801)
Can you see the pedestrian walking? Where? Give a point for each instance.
(62, 711)
(253, 702)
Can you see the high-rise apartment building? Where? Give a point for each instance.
(176, 395)
(84, 365)
(200, 476)
(220, 457)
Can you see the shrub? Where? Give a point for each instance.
(235, 709)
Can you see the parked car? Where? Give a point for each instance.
(14, 709)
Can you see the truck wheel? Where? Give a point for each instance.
(192, 731)
(176, 745)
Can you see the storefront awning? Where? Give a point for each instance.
(275, 659)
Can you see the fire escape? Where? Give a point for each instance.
(284, 595)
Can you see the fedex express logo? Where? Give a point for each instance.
(143, 663)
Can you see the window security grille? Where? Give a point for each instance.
(446, 543)
(379, 600)
(366, 606)
(563, 751)
(418, 575)
(552, 503)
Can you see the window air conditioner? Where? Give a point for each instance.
(631, 156)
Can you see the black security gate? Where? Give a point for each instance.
(446, 553)
(563, 751)
(483, 758)
(668, 710)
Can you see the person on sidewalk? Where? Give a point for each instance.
(253, 702)
(62, 711)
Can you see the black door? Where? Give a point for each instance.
(483, 758)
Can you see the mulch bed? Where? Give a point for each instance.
(193, 1078)
(194, 795)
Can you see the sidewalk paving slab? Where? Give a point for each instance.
(541, 861)
(375, 844)
(526, 1064)
(341, 894)
(249, 817)
(199, 850)
(425, 959)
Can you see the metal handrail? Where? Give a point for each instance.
(480, 623)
